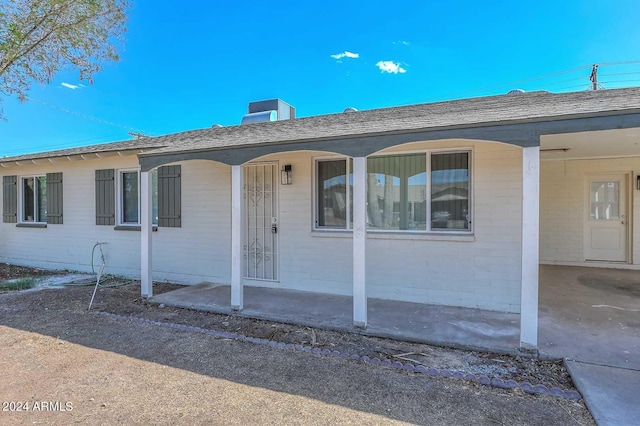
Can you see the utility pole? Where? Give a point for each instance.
(594, 77)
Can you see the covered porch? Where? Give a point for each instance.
(489, 241)
(586, 314)
(474, 329)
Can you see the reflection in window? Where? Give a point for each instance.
(605, 200)
(333, 194)
(154, 197)
(130, 197)
(399, 197)
(450, 191)
(396, 192)
(34, 199)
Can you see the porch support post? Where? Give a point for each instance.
(530, 247)
(146, 270)
(359, 241)
(237, 291)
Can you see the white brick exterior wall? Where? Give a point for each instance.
(563, 206)
(475, 271)
(198, 251)
(480, 270)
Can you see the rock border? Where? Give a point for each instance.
(421, 369)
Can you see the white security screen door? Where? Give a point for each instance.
(261, 222)
(606, 221)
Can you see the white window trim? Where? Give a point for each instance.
(314, 200)
(397, 232)
(469, 231)
(120, 194)
(21, 200)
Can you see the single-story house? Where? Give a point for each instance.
(452, 203)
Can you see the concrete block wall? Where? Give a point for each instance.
(198, 251)
(480, 270)
(563, 206)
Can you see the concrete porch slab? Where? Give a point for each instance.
(441, 325)
(590, 315)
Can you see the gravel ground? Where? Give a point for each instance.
(115, 371)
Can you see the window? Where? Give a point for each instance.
(129, 197)
(397, 192)
(334, 194)
(33, 199)
(450, 191)
(117, 197)
(426, 191)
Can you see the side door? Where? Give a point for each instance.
(606, 221)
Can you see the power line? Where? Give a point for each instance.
(525, 80)
(584, 86)
(620, 73)
(61, 145)
(622, 81)
(88, 117)
(620, 63)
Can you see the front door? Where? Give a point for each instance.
(261, 222)
(606, 221)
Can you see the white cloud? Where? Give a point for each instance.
(406, 43)
(346, 54)
(390, 67)
(71, 86)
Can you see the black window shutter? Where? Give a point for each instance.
(54, 198)
(169, 197)
(10, 199)
(105, 197)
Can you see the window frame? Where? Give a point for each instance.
(36, 203)
(120, 197)
(119, 193)
(315, 194)
(428, 231)
(470, 201)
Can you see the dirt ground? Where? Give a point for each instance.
(115, 371)
(8, 272)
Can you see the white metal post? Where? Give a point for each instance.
(237, 291)
(146, 234)
(530, 247)
(359, 241)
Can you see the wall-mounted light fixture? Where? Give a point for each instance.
(286, 175)
(638, 182)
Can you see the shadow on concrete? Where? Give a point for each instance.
(62, 314)
(591, 317)
(465, 328)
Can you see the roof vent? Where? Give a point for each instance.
(260, 117)
(216, 125)
(515, 92)
(269, 110)
(350, 109)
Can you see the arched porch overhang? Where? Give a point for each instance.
(524, 134)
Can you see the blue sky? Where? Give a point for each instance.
(188, 65)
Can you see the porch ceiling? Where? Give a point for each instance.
(598, 144)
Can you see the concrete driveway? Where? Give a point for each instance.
(591, 317)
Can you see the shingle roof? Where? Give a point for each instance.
(144, 143)
(503, 109)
